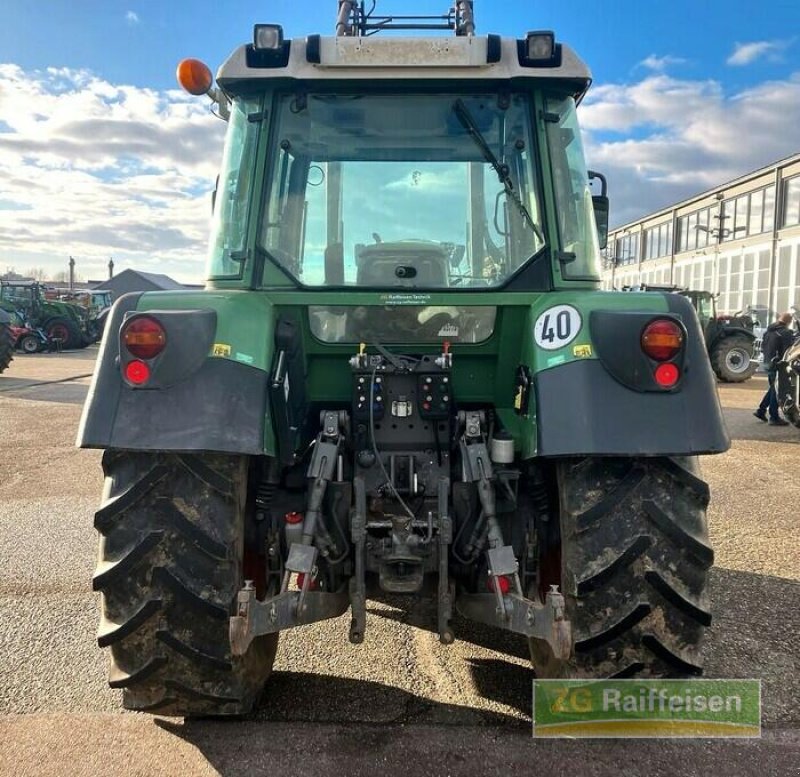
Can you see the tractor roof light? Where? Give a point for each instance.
(194, 76)
(662, 339)
(540, 47)
(267, 37)
(268, 49)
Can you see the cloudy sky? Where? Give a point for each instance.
(102, 156)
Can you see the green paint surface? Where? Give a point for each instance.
(483, 373)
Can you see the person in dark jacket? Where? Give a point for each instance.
(776, 340)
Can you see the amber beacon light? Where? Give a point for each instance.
(194, 76)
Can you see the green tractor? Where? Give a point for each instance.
(730, 340)
(61, 321)
(402, 379)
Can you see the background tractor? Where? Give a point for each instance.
(59, 320)
(96, 303)
(402, 380)
(730, 339)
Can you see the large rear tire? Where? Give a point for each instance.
(732, 359)
(6, 346)
(632, 558)
(64, 330)
(171, 559)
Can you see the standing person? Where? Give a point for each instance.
(777, 339)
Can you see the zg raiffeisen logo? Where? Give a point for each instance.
(646, 708)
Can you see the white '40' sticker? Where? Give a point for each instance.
(556, 327)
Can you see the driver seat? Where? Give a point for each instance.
(405, 264)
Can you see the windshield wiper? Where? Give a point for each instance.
(503, 172)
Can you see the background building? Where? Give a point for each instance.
(135, 280)
(740, 240)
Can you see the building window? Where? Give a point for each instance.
(691, 230)
(703, 227)
(657, 241)
(740, 225)
(756, 209)
(726, 218)
(681, 242)
(626, 249)
(791, 207)
(665, 239)
(769, 209)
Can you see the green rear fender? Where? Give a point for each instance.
(594, 390)
(214, 402)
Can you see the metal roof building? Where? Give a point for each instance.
(135, 280)
(740, 240)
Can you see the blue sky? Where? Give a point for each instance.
(99, 155)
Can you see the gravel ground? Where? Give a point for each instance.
(401, 700)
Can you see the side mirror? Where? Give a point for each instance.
(600, 204)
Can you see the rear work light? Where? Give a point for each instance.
(540, 46)
(662, 340)
(268, 36)
(144, 337)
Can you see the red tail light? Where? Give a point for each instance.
(137, 372)
(667, 375)
(662, 340)
(144, 337)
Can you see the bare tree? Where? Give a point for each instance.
(37, 273)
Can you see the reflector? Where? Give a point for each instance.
(667, 375)
(502, 581)
(137, 372)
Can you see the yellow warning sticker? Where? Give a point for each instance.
(582, 351)
(220, 349)
(518, 397)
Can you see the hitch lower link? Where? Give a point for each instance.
(523, 616)
(508, 610)
(298, 608)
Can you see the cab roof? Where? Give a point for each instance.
(383, 59)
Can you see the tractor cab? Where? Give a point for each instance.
(403, 163)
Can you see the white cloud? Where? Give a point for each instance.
(663, 139)
(745, 53)
(103, 170)
(132, 17)
(659, 64)
(99, 169)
